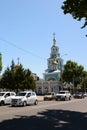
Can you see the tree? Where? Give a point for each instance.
(72, 72)
(0, 62)
(77, 8)
(7, 80)
(16, 77)
(84, 80)
(19, 76)
(28, 81)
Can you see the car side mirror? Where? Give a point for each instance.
(6, 96)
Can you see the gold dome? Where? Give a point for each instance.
(54, 63)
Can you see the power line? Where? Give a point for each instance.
(14, 45)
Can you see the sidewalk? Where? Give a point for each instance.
(40, 98)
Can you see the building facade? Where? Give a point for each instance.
(43, 87)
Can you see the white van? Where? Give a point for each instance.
(5, 97)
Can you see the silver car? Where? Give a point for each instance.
(24, 98)
(5, 97)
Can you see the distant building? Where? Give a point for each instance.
(35, 76)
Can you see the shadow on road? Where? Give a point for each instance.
(48, 120)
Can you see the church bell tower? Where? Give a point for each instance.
(54, 63)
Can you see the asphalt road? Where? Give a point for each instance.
(47, 115)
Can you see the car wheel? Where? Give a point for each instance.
(65, 98)
(70, 98)
(2, 103)
(45, 99)
(12, 105)
(57, 99)
(24, 103)
(36, 102)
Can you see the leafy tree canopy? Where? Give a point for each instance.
(72, 72)
(0, 62)
(77, 8)
(16, 77)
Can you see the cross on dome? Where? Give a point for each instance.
(54, 40)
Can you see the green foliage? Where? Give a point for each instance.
(16, 77)
(72, 72)
(84, 80)
(0, 62)
(77, 8)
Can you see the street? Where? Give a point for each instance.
(47, 115)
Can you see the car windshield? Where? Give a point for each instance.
(49, 94)
(61, 92)
(78, 93)
(21, 94)
(1, 94)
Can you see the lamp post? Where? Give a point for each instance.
(61, 69)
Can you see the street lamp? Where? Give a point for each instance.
(61, 69)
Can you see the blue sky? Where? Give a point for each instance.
(26, 31)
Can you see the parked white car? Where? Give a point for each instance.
(50, 96)
(63, 95)
(24, 98)
(5, 97)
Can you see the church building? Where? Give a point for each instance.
(52, 75)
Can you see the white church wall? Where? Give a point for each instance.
(43, 87)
